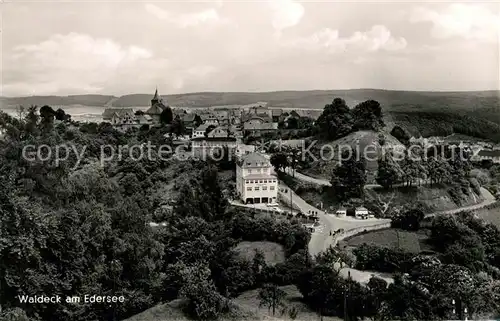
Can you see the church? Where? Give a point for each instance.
(158, 105)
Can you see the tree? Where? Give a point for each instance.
(349, 178)
(389, 172)
(204, 302)
(177, 126)
(279, 161)
(336, 120)
(61, 115)
(272, 297)
(409, 219)
(166, 116)
(368, 115)
(401, 135)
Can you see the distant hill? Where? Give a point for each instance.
(86, 100)
(422, 113)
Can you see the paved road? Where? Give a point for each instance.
(321, 239)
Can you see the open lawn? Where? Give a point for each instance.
(414, 242)
(172, 311)
(273, 252)
(250, 301)
(490, 215)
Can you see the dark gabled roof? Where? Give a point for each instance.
(248, 116)
(214, 139)
(109, 112)
(156, 109)
(489, 153)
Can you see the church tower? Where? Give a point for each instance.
(156, 98)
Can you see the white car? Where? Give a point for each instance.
(272, 205)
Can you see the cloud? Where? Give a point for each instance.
(470, 21)
(77, 59)
(376, 39)
(185, 20)
(286, 13)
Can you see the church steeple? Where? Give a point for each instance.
(156, 98)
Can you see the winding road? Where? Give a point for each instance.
(321, 238)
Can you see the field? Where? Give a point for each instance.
(273, 252)
(490, 215)
(172, 311)
(250, 301)
(413, 242)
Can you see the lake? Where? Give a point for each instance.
(78, 112)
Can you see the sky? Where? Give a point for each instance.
(123, 47)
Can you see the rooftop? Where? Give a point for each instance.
(489, 153)
(263, 126)
(254, 160)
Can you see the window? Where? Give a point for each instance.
(257, 188)
(249, 188)
(271, 188)
(264, 188)
(265, 181)
(260, 181)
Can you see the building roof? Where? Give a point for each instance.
(219, 131)
(109, 112)
(489, 153)
(361, 209)
(214, 139)
(254, 160)
(156, 96)
(202, 128)
(341, 209)
(260, 176)
(156, 109)
(276, 112)
(264, 116)
(263, 126)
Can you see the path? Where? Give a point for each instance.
(324, 182)
(321, 239)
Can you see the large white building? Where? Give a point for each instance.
(255, 179)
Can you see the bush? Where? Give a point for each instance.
(371, 257)
(476, 187)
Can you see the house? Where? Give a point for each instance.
(210, 119)
(264, 118)
(361, 213)
(218, 132)
(255, 179)
(487, 154)
(158, 105)
(341, 212)
(126, 120)
(496, 147)
(242, 150)
(256, 128)
(200, 131)
(210, 147)
(108, 113)
(276, 114)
